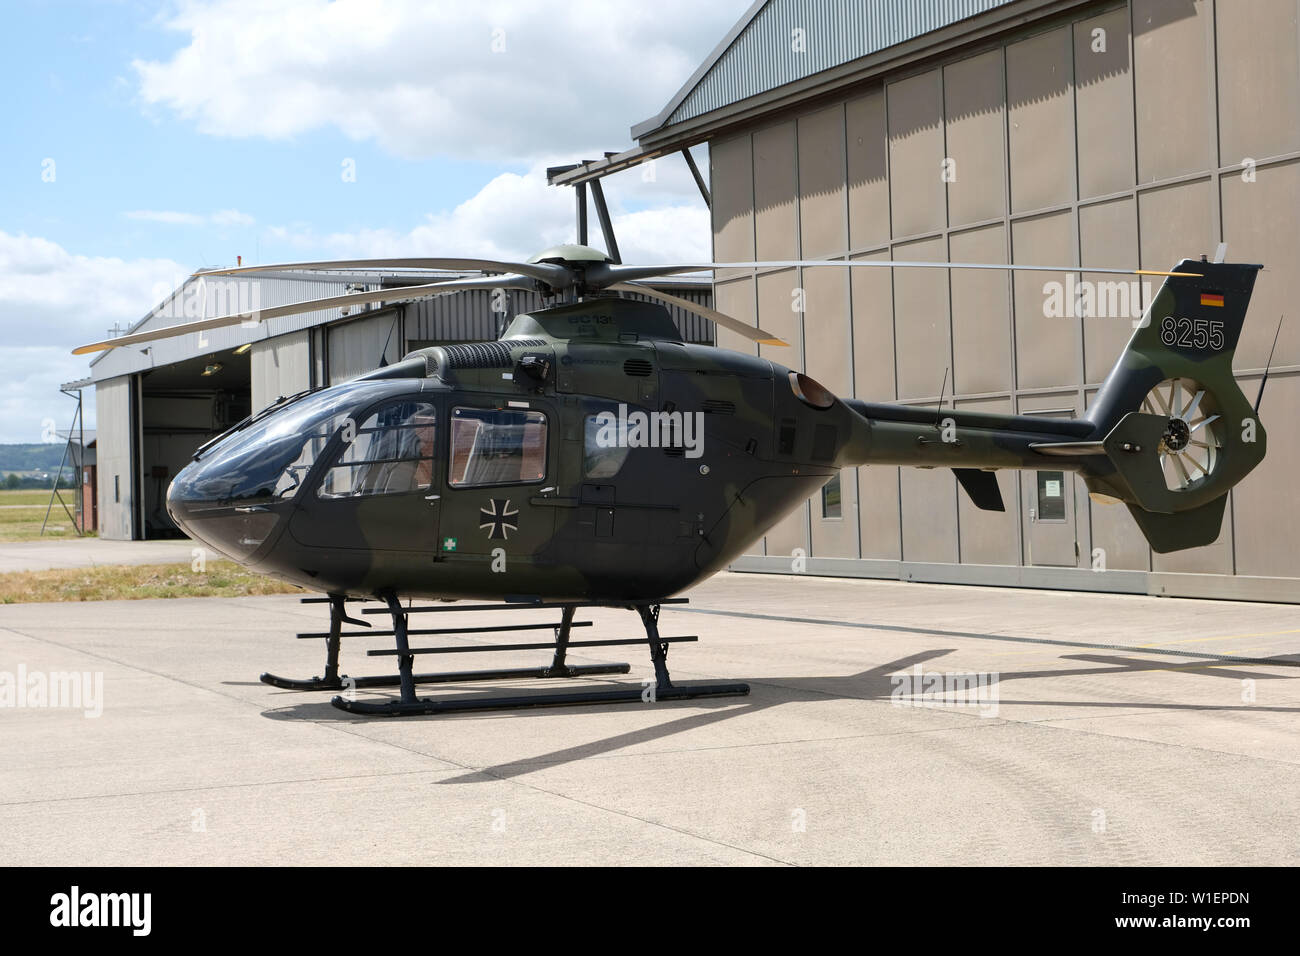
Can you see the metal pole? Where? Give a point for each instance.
(606, 227)
(699, 180)
(580, 190)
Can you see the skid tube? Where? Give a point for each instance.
(409, 704)
(333, 680)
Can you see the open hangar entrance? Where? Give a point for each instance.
(180, 407)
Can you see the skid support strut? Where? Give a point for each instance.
(659, 689)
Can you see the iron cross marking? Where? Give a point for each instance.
(499, 519)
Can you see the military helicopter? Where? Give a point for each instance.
(591, 457)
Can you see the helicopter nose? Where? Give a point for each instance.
(235, 529)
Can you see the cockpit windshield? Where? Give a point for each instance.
(270, 459)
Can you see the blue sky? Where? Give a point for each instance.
(184, 135)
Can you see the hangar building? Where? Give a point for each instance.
(1030, 131)
(156, 404)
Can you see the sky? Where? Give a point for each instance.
(146, 140)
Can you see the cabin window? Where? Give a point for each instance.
(496, 446)
(390, 453)
(604, 447)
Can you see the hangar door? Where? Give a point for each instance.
(280, 367)
(364, 344)
(1051, 532)
(116, 443)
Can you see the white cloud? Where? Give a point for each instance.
(222, 217)
(51, 301)
(515, 216)
(496, 81)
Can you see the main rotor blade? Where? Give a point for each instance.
(719, 318)
(553, 274)
(400, 294)
(603, 275)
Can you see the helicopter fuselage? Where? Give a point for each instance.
(589, 454)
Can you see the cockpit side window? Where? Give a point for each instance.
(496, 446)
(389, 453)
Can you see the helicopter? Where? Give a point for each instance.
(591, 457)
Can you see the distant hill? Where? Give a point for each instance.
(38, 457)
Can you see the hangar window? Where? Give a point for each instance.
(832, 505)
(496, 446)
(1051, 495)
(389, 453)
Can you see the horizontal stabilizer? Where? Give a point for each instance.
(982, 486)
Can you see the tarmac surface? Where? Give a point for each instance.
(1112, 729)
(88, 552)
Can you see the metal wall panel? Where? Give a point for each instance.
(873, 332)
(1264, 513)
(878, 512)
(776, 230)
(916, 187)
(1172, 76)
(989, 537)
(823, 214)
(921, 325)
(731, 180)
(1261, 223)
(1259, 106)
(981, 343)
(736, 299)
(1040, 138)
(777, 293)
(1047, 347)
(1103, 97)
(928, 502)
(1108, 233)
(1174, 223)
(973, 101)
(868, 170)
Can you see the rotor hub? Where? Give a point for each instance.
(1177, 435)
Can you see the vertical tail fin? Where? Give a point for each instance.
(1179, 431)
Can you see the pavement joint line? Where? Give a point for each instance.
(905, 629)
(1048, 724)
(252, 784)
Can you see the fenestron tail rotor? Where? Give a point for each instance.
(1190, 447)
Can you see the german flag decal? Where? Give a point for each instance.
(1212, 298)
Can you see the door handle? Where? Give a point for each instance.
(432, 497)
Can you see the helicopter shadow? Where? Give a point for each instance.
(874, 684)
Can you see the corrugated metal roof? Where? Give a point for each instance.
(781, 41)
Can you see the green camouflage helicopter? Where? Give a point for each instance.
(591, 457)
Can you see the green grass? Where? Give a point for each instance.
(34, 496)
(23, 510)
(139, 582)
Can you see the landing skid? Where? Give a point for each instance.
(408, 704)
